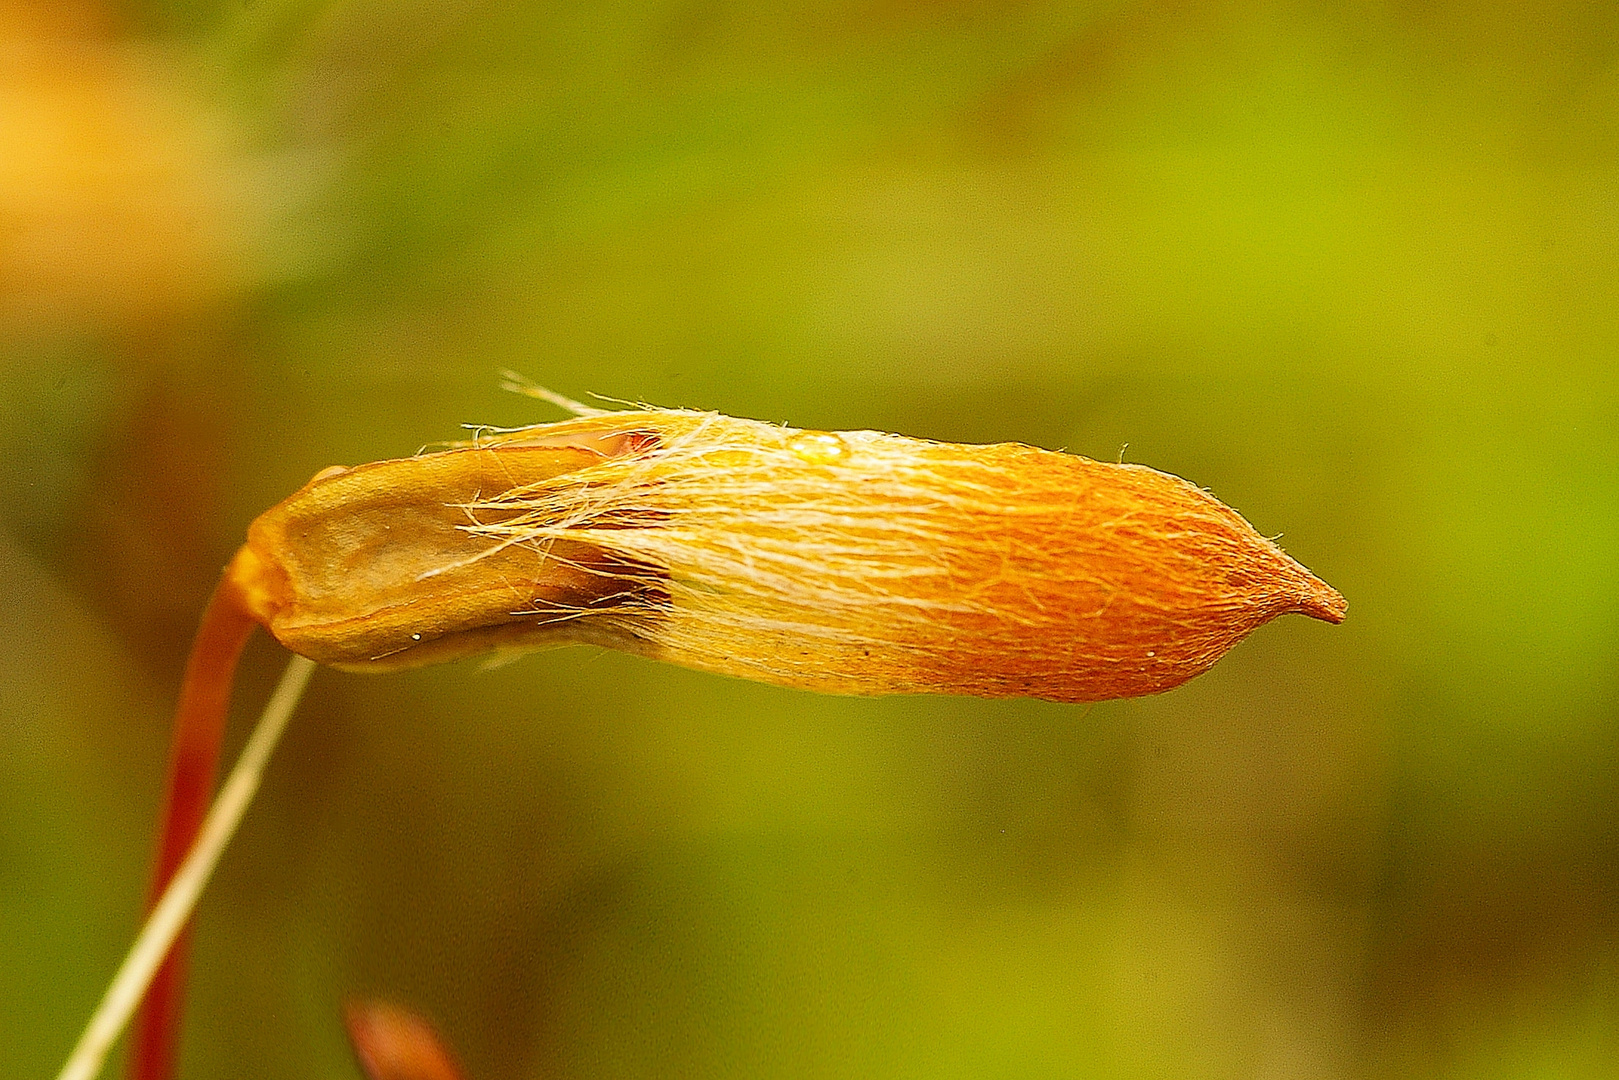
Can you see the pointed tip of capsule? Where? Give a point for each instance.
(1322, 601)
(1302, 593)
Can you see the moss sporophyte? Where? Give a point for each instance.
(851, 562)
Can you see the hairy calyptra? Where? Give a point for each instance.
(849, 562)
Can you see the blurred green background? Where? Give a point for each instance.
(1354, 267)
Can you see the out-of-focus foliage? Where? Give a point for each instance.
(1355, 267)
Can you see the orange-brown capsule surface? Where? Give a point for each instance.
(845, 562)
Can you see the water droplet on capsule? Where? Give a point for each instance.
(819, 447)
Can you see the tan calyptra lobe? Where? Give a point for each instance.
(850, 562)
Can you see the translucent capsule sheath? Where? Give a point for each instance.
(849, 562)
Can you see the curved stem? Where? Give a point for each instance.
(199, 727)
(167, 920)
